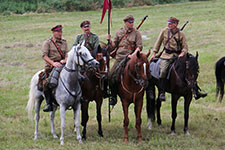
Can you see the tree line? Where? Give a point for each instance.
(46, 6)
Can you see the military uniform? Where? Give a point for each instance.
(174, 44)
(126, 41)
(50, 50)
(171, 48)
(91, 41)
(54, 49)
(127, 45)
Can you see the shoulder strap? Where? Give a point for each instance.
(57, 47)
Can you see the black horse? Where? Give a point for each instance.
(183, 76)
(220, 78)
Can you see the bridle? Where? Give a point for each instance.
(138, 80)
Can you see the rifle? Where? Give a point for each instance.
(113, 53)
(182, 28)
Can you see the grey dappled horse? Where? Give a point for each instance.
(67, 93)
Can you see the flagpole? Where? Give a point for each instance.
(108, 65)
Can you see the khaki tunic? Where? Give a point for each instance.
(91, 38)
(50, 50)
(127, 46)
(172, 44)
(132, 41)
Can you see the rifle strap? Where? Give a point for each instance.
(87, 41)
(173, 36)
(58, 48)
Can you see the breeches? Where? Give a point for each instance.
(164, 65)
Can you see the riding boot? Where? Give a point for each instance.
(48, 99)
(162, 85)
(196, 92)
(113, 99)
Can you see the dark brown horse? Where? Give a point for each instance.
(220, 78)
(183, 76)
(133, 82)
(92, 90)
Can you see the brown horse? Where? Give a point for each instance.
(133, 82)
(92, 90)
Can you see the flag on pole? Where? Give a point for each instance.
(106, 4)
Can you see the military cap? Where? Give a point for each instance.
(85, 24)
(129, 18)
(173, 20)
(57, 28)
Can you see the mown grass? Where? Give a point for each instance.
(20, 57)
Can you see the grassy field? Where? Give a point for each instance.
(20, 57)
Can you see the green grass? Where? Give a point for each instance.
(19, 61)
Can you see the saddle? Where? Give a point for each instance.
(155, 68)
(51, 81)
(119, 70)
(41, 82)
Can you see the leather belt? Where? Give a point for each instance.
(127, 47)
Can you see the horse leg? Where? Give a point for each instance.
(150, 105)
(84, 118)
(221, 92)
(99, 116)
(158, 106)
(52, 116)
(63, 123)
(174, 112)
(37, 117)
(77, 121)
(138, 109)
(126, 120)
(187, 102)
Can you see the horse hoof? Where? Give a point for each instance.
(62, 143)
(55, 136)
(149, 124)
(125, 140)
(80, 141)
(139, 139)
(187, 133)
(35, 138)
(173, 133)
(84, 138)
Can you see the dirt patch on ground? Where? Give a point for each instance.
(18, 44)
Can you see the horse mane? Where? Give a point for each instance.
(180, 64)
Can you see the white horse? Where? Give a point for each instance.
(67, 93)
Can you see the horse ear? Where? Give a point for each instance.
(149, 52)
(99, 49)
(82, 44)
(196, 57)
(138, 54)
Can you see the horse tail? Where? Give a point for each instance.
(33, 95)
(218, 71)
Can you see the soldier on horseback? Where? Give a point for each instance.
(54, 53)
(91, 39)
(175, 45)
(127, 40)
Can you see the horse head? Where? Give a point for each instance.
(82, 57)
(141, 66)
(192, 69)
